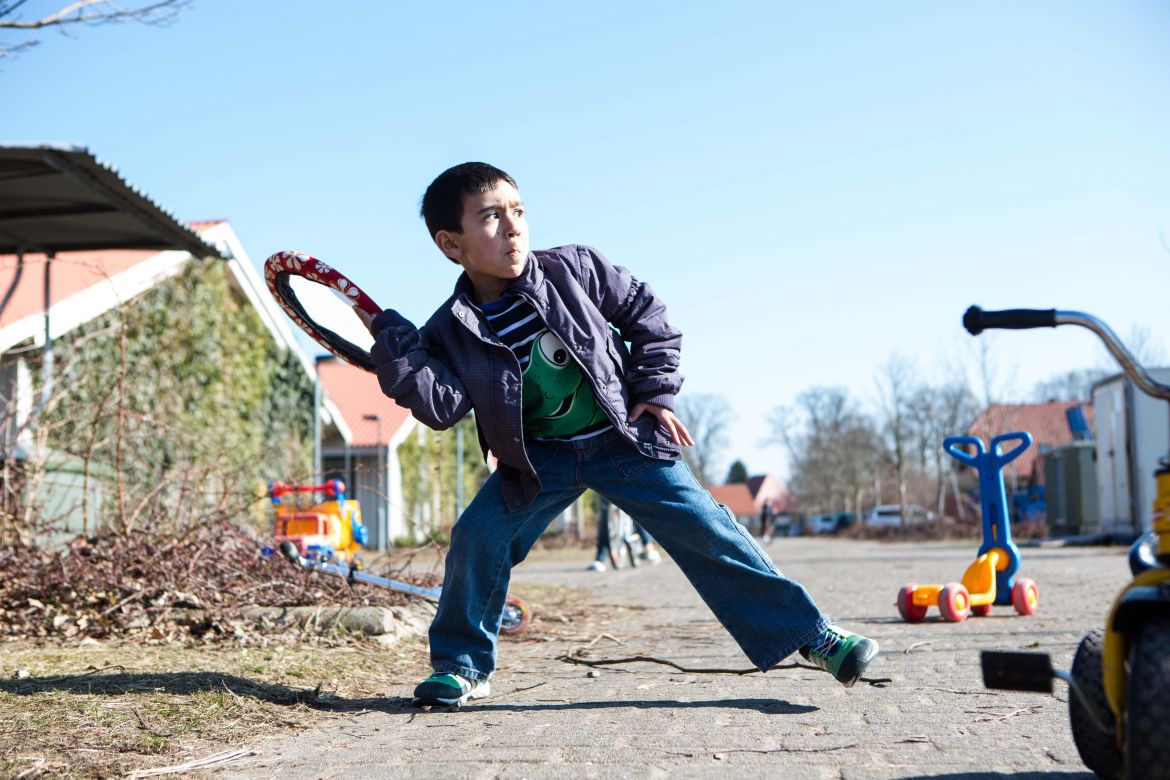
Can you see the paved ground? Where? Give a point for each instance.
(934, 719)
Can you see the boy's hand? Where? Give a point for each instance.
(678, 432)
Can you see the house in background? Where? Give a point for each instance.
(746, 500)
(77, 243)
(1054, 478)
(368, 461)
(1048, 423)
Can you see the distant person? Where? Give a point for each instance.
(604, 510)
(572, 367)
(766, 518)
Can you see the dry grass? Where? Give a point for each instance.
(101, 710)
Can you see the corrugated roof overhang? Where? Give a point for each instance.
(62, 198)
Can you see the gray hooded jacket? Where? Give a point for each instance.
(454, 363)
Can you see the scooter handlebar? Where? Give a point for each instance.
(976, 320)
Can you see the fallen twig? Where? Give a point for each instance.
(215, 760)
(575, 650)
(721, 752)
(917, 644)
(147, 728)
(877, 681)
(518, 690)
(1001, 715)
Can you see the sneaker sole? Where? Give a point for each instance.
(855, 666)
(478, 692)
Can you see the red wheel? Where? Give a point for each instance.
(954, 602)
(515, 617)
(911, 612)
(1025, 596)
(981, 610)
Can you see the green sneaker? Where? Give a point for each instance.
(446, 689)
(843, 654)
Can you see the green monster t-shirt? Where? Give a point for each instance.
(558, 402)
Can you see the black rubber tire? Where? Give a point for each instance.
(1098, 748)
(1147, 702)
(634, 550)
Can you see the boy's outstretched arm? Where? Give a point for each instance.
(410, 375)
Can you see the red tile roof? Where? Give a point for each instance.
(1046, 422)
(356, 394)
(747, 499)
(72, 273)
(737, 497)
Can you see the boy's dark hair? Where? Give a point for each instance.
(442, 203)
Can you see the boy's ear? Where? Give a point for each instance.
(449, 244)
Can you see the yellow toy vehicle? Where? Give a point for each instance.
(331, 529)
(1120, 675)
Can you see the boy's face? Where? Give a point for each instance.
(492, 245)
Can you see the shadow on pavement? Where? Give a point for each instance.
(1085, 775)
(193, 682)
(768, 706)
(402, 704)
(160, 682)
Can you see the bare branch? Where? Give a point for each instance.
(92, 13)
(96, 12)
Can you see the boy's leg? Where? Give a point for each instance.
(486, 543)
(769, 615)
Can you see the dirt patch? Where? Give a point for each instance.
(102, 709)
(105, 708)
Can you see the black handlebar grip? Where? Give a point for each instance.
(976, 320)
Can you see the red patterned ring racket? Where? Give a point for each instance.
(320, 300)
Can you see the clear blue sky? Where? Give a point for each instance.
(810, 187)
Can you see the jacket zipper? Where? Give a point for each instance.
(515, 364)
(619, 426)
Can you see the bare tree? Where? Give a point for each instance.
(834, 450)
(938, 411)
(89, 13)
(707, 417)
(1142, 344)
(896, 388)
(1075, 385)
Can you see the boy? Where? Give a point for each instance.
(535, 342)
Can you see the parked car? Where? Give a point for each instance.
(890, 515)
(829, 523)
(820, 524)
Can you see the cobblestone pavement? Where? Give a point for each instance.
(548, 718)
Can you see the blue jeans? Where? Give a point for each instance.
(769, 615)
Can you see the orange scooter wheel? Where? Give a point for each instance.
(981, 610)
(516, 616)
(910, 612)
(954, 602)
(1025, 596)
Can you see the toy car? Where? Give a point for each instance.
(328, 530)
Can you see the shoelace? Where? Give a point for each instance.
(826, 644)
